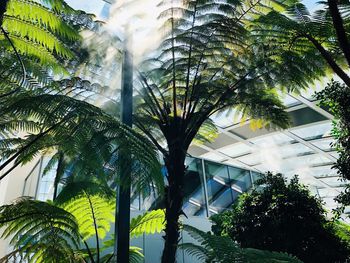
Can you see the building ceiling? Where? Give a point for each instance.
(304, 149)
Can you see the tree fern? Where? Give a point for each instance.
(209, 62)
(34, 26)
(39, 231)
(60, 231)
(148, 223)
(89, 138)
(213, 248)
(320, 38)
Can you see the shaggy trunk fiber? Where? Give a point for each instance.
(175, 164)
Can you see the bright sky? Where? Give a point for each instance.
(310, 4)
(90, 6)
(96, 6)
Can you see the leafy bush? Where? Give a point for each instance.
(336, 97)
(283, 217)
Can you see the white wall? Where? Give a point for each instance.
(11, 187)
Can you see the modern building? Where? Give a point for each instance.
(304, 149)
(222, 170)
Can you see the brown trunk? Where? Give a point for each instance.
(338, 24)
(331, 62)
(175, 164)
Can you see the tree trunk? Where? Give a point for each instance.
(175, 164)
(338, 24)
(331, 62)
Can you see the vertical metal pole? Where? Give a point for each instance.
(230, 184)
(251, 178)
(122, 225)
(206, 197)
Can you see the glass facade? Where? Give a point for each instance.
(39, 185)
(210, 188)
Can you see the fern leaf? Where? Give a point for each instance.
(148, 223)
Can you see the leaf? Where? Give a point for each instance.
(94, 214)
(148, 223)
(39, 231)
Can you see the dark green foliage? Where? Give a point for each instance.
(64, 231)
(40, 232)
(283, 217)
(320, 38)
(222, 249)
(88, 137)
(336, 97)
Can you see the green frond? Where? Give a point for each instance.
(208, 132)
(35, 51)
(135, 255)
(89, 138)
(212, 248)
(32, 11)
(94, 214)
(149, 223)
(32, 33)
(39, 231)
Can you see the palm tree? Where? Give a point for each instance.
(320, 37)
(208, 62)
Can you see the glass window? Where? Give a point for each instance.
(240, 179)
(335, 154)
(294, 149)
(305, 161)
(98, 7)
(324, 144)
(220, 194)
(213, 157)
(223, 200)
(305, 116)
(250, 159)
(236, 149)
(323, 171)
(227, 118)
(46, 184)
(277, 138)
(328, 192)
(194, 188)
(289, 101)
(313, 132)
(334, 181)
